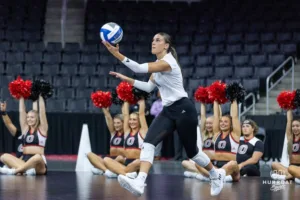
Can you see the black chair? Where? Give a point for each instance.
(252, 48)
(72, 47)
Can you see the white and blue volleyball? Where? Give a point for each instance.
(111, 32)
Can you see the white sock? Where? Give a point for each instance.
(213, 173)
(297, 180)
(142, 176)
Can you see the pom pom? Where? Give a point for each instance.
(201, 95)
(140, 94)
(235, 91)
(41, 87)
(286, 100)
(216, 92)
(20, 88)
(101, 99)
(297, 98)
(115, 99)
(124, 91)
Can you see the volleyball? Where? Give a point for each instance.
(111, 32)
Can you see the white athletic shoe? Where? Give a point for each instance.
(228, 179)
(97, 171)
(278, 177)
(110, 174)
(274, 176)
(189, 174)
(132, 175)
(200, 177)
(297, 180)
(281, 177)
(7, 171)
(30, 172)
(217, 183)
(134, 186)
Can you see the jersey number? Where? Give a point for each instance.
(29, 138)
(130, 141)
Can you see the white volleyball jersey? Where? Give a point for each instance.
(170, 83)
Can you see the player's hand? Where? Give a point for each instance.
(118, 75)
(105, 109)
(3, 106)
(141, 102)
(240, 166)
(112, 49)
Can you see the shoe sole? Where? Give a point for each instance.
(127, 186)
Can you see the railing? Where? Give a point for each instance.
(246, 109)
(63, 20)
(285, 73)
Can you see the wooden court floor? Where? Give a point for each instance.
(84, 185)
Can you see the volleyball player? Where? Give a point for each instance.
(178, 113)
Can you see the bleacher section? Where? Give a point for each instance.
(228, 40)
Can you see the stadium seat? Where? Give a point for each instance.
(69, 69)
(251, 85)
(243, 72)
(223, 72)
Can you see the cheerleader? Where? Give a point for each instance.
(292, 131)
(250, 150)
(34, 127)
(115, 127)
(227, 132)
(16, 133)
(135, 128)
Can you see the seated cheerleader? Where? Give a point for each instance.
(250, 151)
(135, 129)
(206, 130)
(227, 132)
(293, 135)
(34, 127)
(16, 133)
(115, 127)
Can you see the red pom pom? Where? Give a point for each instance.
(286, 100)
(217, 92)
(201, 95)
(101, 99)
(20, 88)
(124, 91)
